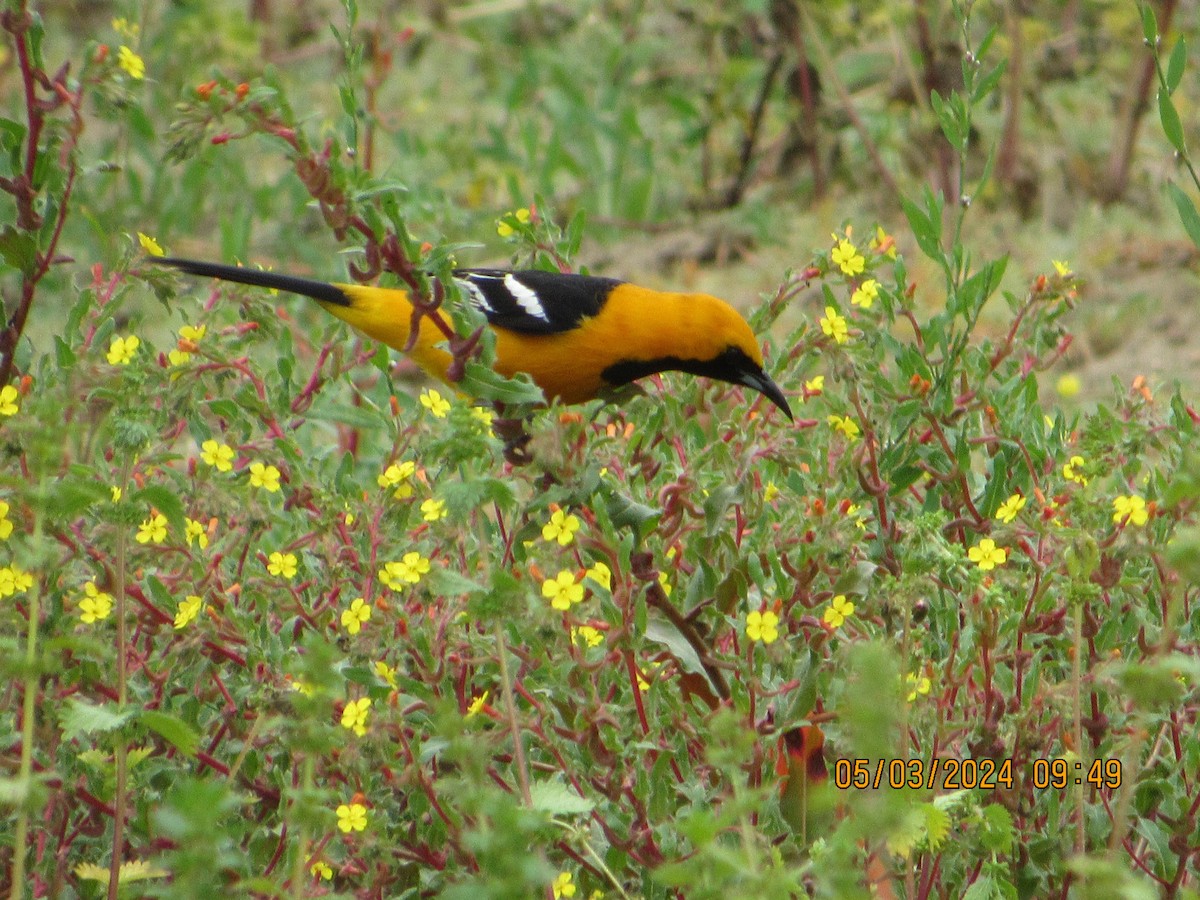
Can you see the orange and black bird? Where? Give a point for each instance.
(804, 796)
(576, 336)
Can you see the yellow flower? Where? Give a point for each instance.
(219, 456)
(150, 245)
(884, 243)
(153, 530)
(302, 687)
(354, 716)
(432, 510)
(355, 615)
(195, 531)
(987, 555)
(483, 416)
(189, 608)
(96, 605)
(1009, 508)
(601, 574)
(762, 626)
(1068, 385)
(561, 527)
(115, 493)
(665, 582)
(1062, 267)
(386, 672)
(840, 609)
(1130, 510)
(22, 580)
(1071, 470)
(562, 885)
(399, 475)
(815, 385)
(593, 637)
(133, 65)
(14, 580)
(562, 590)
(433, 401)
(864, 295)
(505, 229)
(847, 258)
(844, 424)
(352, 817)
(121, 350)
(770, 492)
(9, 396)
(477, 704)
(917, 684)
(177, 356)
(834, 325)
(409, 570)
(263, 475)
(125, 28)
(282, 564)
(6, 526)
(321, 870)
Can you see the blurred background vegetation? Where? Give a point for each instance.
(711, 144)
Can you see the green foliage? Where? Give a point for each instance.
(931, 563)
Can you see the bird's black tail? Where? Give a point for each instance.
(320, 291)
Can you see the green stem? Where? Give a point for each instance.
(120, 756)
(28, 718)
(510, 713)
(1077, 723)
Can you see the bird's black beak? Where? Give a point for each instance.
(761, 382)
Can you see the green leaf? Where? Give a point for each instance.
(557, 799)
(337, 410)
(1176, 65)
(175, 731)
(988, 83)
(927, 233)
(663, 632)
(165, 501)
(625, 512)
(1187, 212)
(998, 833)
(63, 354)
(159, 592)
(225, 409)
(1149, 24)
(83, 718)
(487, 384)
(947, 117)
(448, 583)
(71, 496)
(1171, 124)
(18, 249)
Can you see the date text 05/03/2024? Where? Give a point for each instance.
(958, 774)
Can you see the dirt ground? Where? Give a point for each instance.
(1138, 311)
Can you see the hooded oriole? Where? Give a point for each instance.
(574, 335)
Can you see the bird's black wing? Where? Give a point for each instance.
(532, 301)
